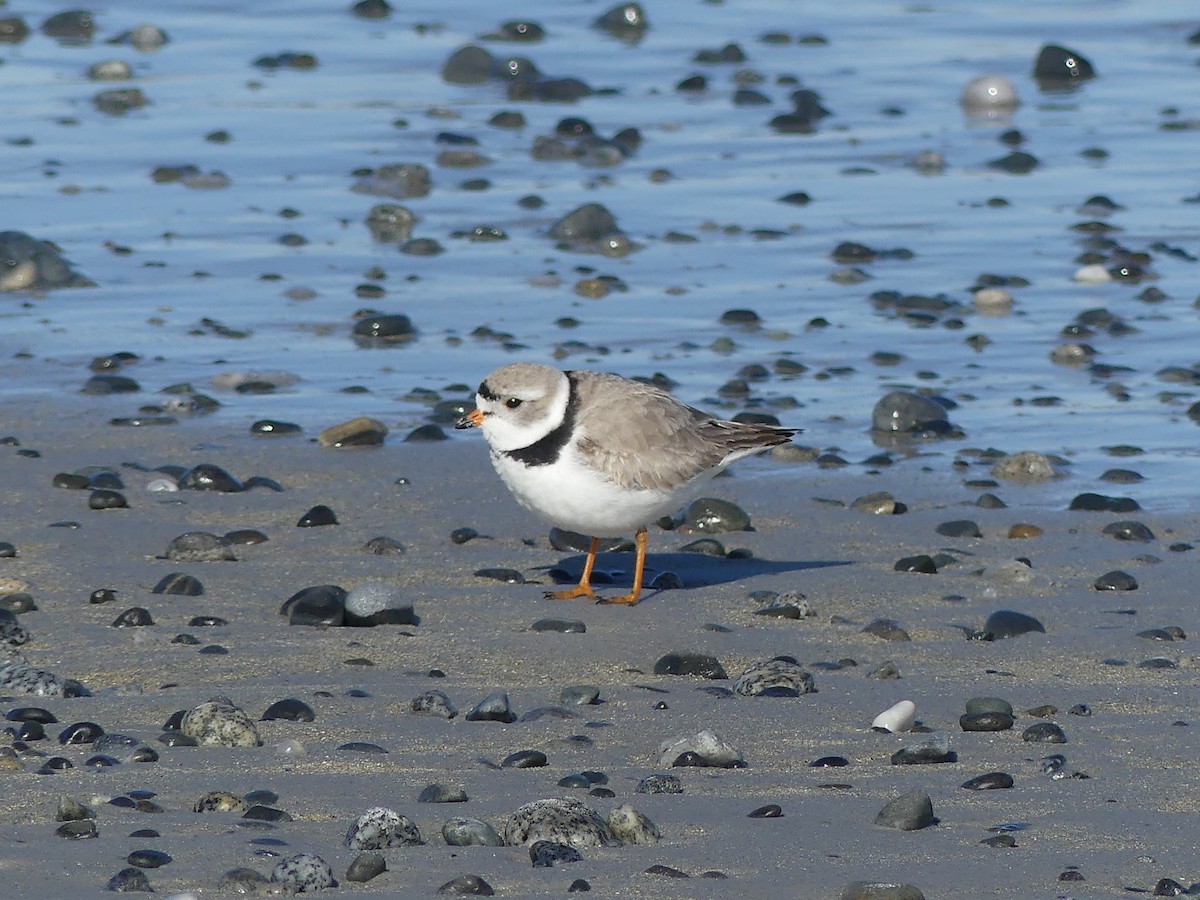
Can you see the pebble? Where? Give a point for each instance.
(219, 801)
(366, 866)
(303, 872)
(560, 626)
(379, 828)
(129, 881)
(896, 718)
(219, 723)
(493, 708)
(317, 517)
(434, 703)
(179, 584)
(1026, 467)
(465, 832)
(906, 413)
(780, 676)
(706, 748)
(699, 665)
(321, 604)
(631, 827)
(709, 515)
(1044, 733)
(564, 821)
(959, 528)
(933, 748)
(908, 812)
(1129, 531)
(209, 477)
(880, 890)
(524, 759)
(1115, 581)
(467, 885)
(199, 546)
(360, 432)
(289, 710)
(986, 721)
(659, 783)
(989, 781)
(579, 695)
(377, 603)
(886, 630)
(20, 678)
(545, 854)
(1007, 623)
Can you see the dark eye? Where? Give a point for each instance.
(513, 402)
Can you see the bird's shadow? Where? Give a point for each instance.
(693, 570)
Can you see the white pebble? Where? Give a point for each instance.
(992, 301)
(989, 95)
(898, 717)
(162, 484)
(290, 747)
(1093, 274)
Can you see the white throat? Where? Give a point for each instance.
(513, 429)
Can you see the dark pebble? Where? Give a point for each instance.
(1044, 733)
(578, 886)
(1090, 502)
(366, 866)
(1129, 531)
(209, 477)
(442, 793)
(106, 499)
(262, 813)
(148, 859)
(134, 617)
(462, 535)
(1056, 65)
(179, 584)
(361, 747)
(770, 811)
(77, 830)
(660, 783)
(493, 708)
(562, 626)
(31, 714)
(316, 517)
(666, 871)
(908, 812)
(985, 721)
(467, 885)
(1116, 581)
(695, 664)
(922, 563)
(1006, 623)
(524, 759)
(829, 762)
(290, 710)
(508, 576)
(959, 528)
(990, 781)
(322, 604)
(544, 854)
(272, 428)
(80, 733)
(887, 630)
(129, 881)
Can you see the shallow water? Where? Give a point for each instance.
(891, 74)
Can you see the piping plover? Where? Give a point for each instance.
(601, 455)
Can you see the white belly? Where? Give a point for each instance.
(573, 497)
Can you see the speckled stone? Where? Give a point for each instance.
(781, 676)
(434, 703)
(303, 872)
(631, 827)
(564, 821)
(218, 722)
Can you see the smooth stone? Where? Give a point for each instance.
(896, 718)
(467, 886)
(274, 428)
(988, 704)
(561, 626)
(366, 866)
(1092, 502)
(699, 665)
(290, 710)
(360, 432)
(989, 781)
(1044, 733)
(505, 575)
(317, 517)
(219, 801)
(959, 528)
(710, 515)
(908, 812)
(377, 603)
(1115, 581)
(659, 783)
(629, 826)
(129, 881)
(934, 748)
(829, 762)
(579, 695)
(1006, 623)
(903, 412)
(585, 224)
(244, 881)
(442, 793)
(106, 499)
(493, 708)
(31, 714)
(459, 831)
(780, 676)
(320, 604)
(1026, 467)
(1129, 531)
(134, 617)
(179, 584)
(770, 811)
(303, 872)
(886, 630)
(706, 747)
(80, 830)
(922, 563)
(80, 733)
(361, 747)
(985, 721)
(379, 828)
(209, 477)
(524, 759)
(71, 810)
(148, 859)
(545, 854)
(434, 703)
(199, 546)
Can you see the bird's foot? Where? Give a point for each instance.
(630, 599)
(580, 590)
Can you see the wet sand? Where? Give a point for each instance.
(1130, 823)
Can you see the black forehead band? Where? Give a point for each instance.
(486, 392)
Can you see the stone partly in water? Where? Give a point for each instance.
(27, 264)
(902, 413)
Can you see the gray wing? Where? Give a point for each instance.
(642, 437)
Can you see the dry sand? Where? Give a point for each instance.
(1132, 822)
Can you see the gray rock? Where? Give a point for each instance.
(378, 603)
(434, 703)
(903, 412)
(714, 750)
(219, 723)
(880, 890)
(379, 828)
(908, 812)
(199, 546)
(781, 676)
(493, 708)
(631, 827)
(303, 872)
(1026, 467)
(460, 831)
(564, 821)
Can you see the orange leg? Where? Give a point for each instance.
(584, 588)
(631, 598)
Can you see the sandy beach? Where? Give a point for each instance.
(1128, 824)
